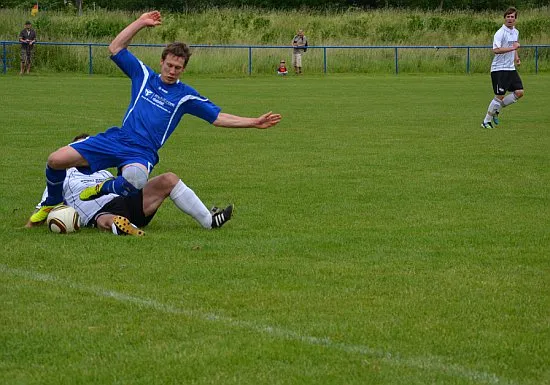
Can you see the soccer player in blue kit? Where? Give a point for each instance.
(158, 103)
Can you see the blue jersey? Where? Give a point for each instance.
(156, 108)
(154, 112)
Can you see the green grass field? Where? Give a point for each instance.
(381, 237)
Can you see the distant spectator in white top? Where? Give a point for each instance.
(300, 46)
(504, 76)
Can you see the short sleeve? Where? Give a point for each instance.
(199, 106)
(204, 109)
(497, 40)
(128, 63)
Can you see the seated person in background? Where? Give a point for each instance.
(123, 215)
(281, 70)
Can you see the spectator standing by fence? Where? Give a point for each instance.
(300, 46)
(504, 75)
(27, 38)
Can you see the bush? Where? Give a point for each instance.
(391, 33)
(435, 23)
(531, 28)
(415, 23)
(485, 27)
(98, 27)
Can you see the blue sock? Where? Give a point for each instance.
(119, 186)
(54, 181)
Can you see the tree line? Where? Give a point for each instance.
(198, 5)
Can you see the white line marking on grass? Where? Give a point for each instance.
(431, 363)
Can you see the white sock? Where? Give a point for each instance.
(188, 202)
(509, 99)
(494, 106)
(493, 109)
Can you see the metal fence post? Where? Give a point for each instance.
(90, 56)
(468, 60)
(396, 63)
(537, 59)
(4, 59)
(325, 59)
(249, 60)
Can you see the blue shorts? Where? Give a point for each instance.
(113, 148)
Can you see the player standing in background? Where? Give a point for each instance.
(504, 76)
(158, 103)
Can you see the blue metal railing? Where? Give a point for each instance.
(250, 49)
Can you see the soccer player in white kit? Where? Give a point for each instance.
(158, 103)
(504, 75)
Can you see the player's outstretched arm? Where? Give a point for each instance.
(123, 39)
(233, 121)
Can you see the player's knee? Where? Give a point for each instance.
(56, 160)
(169, 180)
(518, 93)
(135, 175)
(165, 183)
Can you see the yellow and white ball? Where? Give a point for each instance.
(63, 220)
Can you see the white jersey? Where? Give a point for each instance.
(74, 183)
(504, 38)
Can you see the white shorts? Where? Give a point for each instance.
(297, 59)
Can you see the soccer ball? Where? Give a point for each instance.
(63, 219)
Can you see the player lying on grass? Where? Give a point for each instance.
(158, 103)
(127, 214)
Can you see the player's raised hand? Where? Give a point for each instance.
(268, 120)
(151, 19)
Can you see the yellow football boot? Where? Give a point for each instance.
(123, 226)
(93, 192)
(41, 214)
